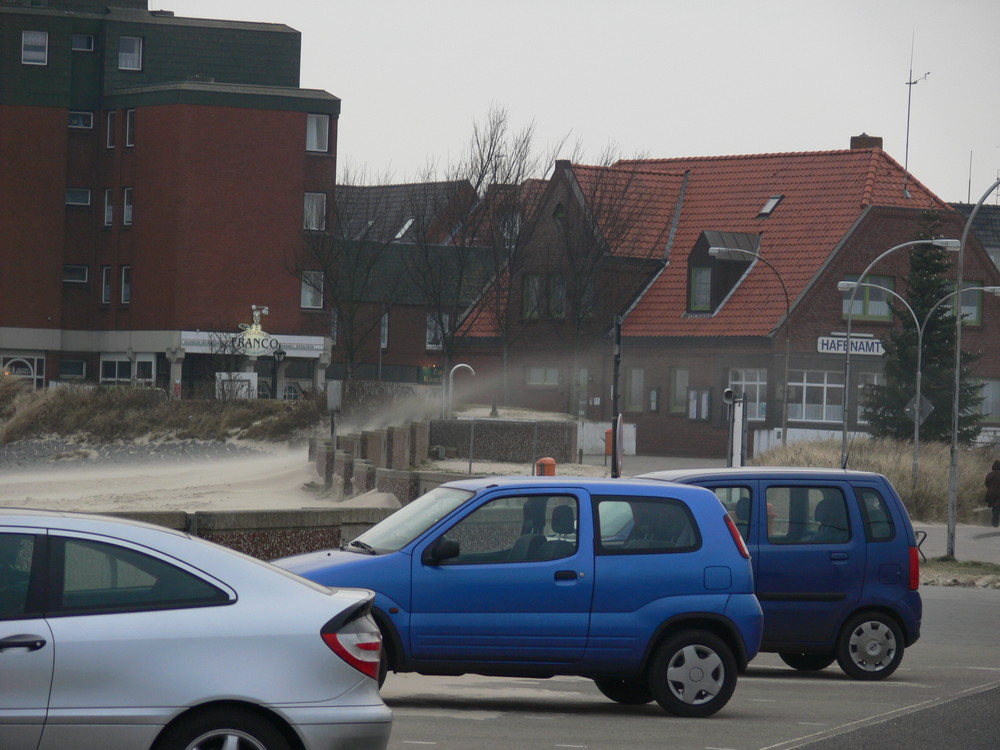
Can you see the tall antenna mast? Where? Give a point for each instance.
(910, 83)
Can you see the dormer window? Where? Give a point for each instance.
(771, 204)
(716, 266)
(701, 289)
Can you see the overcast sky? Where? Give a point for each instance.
(661, 78)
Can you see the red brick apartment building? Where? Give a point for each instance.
(157, 174)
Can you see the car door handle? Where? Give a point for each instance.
(835, 556)
(565, 575)
(22, 640)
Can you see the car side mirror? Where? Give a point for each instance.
(441, 550)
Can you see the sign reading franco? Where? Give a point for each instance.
(254, 341)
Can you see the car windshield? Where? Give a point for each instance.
(412, 520)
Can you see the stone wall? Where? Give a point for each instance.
(507, 440)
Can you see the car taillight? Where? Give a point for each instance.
(914, 568)
(735, 533)
(358, 642)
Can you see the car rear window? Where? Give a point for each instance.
(641, 525)
(878, 520)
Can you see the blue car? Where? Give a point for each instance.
(835, 562)
(642, 586)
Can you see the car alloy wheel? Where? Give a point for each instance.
(223, 730)
(693, 674)
(870, 646)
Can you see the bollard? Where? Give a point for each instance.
(545, 467)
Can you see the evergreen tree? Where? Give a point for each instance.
(927, 283)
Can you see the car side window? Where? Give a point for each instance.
(878, 520)
(807, 515)
(643, 525)
(737, 502)
(16, 551)
(517, 529)
(98, 577)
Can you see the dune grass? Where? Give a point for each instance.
(117, 413)
(927, 498)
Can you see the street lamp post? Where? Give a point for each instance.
(727, 253)
(943, 243)
(921, 327)
(953, 464)
(279, 357)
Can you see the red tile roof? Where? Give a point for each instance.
(823, 193)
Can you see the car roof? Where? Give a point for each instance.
(565, 480)
(79, 521)
(759, 472)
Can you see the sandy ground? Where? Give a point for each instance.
(194, 478)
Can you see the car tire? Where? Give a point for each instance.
(808, 662)
(239, 730)
(870, 646)
(692, 674)
(628, 692)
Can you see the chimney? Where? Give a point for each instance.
(865, 141)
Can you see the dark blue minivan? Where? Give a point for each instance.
(835, 563)
(642, 586)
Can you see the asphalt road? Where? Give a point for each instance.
(946, 694)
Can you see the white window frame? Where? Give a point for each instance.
(130, 59)
(77, 196)
(318, 133)
(989, 407)
(314, 212)
(109, 141)
(128, 199)
(109, 207)
(541, 376)
(126, 279)
(81, 120)
(751, 383)
(435, 333)
(866, 380)
(105, 285)
(680, 381)
(311, 297)
(810, 383)
(76, 273)
(129, 127)
(34, 48)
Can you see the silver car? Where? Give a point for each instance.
(116, 634)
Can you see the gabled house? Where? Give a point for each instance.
(739, 258)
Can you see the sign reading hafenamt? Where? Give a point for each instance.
(838, 345)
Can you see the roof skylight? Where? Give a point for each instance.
(771, 204)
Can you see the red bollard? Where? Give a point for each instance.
(545, 467)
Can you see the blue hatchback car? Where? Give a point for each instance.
(835, 560)
(642, 586)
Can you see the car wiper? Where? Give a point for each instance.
(363, 546)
